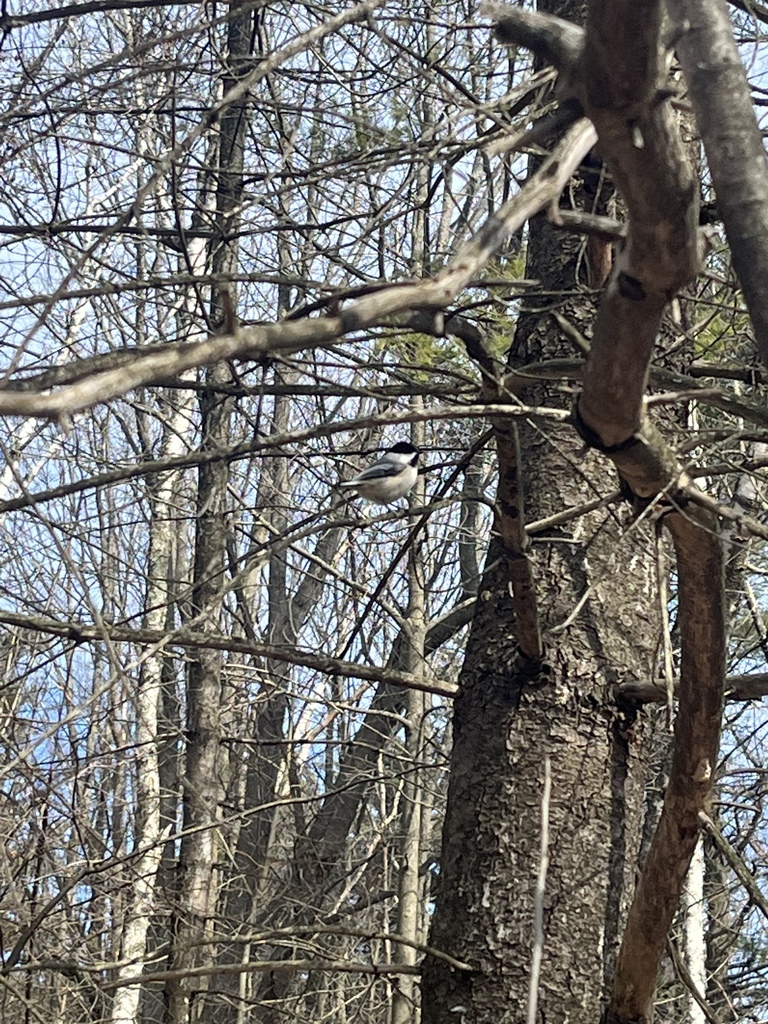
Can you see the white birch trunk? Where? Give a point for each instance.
(695, 940)
(160, 588)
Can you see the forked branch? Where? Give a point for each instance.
(620, 85)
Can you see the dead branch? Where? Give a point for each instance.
(685, 977)
(581, 222)
(288, 337)
(737, 688)
(186, 639)
(732, 514)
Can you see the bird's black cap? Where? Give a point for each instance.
(404, 448)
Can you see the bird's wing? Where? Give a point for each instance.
(378, 471)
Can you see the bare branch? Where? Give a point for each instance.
(697, 732)
(298, 44)
(67, 11)
(662, 251)
(719, 91)
(185, 639)
(685, 976)
(738, 866)
(737, 688)
(338, 966)
(555, 40)
(293, 336)
(275, 442)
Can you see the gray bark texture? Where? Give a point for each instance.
(204, 780)
(513, 709)
(510, 712)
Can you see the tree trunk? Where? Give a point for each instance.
(204, 782)
(512, 711)
(409, 910)
(695, 945)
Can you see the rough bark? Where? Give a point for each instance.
(511, 711)
(504, 721)
(617, 80)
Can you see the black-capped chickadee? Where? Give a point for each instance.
(390, 478)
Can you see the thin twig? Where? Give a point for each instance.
(685, 977)
(187, 639)
(736, 863)
(288, 337)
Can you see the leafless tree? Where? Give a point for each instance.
(245, 247)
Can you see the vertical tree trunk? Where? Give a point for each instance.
(203, 783)
(149, 797)
(512, 711)
(721, 935)
(695, 946)
(405, 997)
(141, 905)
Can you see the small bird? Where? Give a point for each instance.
(391, 477)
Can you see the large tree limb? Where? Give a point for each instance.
(622, 91)
(697, 731)
(555, 40)
(753, 686)
(642, 146)
(719, 92)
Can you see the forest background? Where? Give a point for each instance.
(271, 754)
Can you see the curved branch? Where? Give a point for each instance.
(555, 40)
(321, 332)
